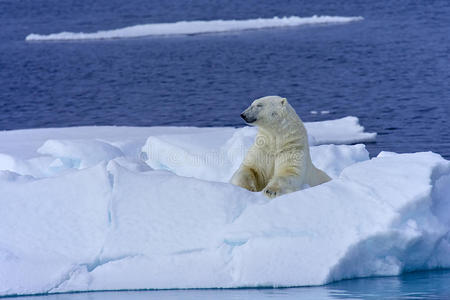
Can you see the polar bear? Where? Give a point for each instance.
(279, 161)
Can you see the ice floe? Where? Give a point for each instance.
(193, 27)
(110, 208)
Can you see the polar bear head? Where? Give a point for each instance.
(267, 112)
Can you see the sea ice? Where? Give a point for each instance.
(193, 27)
(107, 208)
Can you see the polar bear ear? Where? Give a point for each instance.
(283, 101)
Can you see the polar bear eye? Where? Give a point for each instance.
(259, 105)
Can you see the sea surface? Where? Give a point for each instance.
(420, 285)
(392, 70)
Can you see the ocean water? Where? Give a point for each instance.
(420, 285)
(392, 69)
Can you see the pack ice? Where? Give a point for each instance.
(110, 208)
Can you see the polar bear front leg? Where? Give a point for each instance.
(245, 177)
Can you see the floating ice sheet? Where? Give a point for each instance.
(105, 208)
(193, 27)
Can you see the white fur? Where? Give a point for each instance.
(279, 161)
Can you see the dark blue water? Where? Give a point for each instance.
(392, 69)
(421, 285)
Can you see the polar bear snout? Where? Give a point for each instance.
(248, 117)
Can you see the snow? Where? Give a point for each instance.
(194, 27)
(110, 208)
(342, 131)
(79, 154)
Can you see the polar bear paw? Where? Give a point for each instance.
(251, 187)
(245, 179)
(272, 190)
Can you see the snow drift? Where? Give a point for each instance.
(109, 208)
(194, 27)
